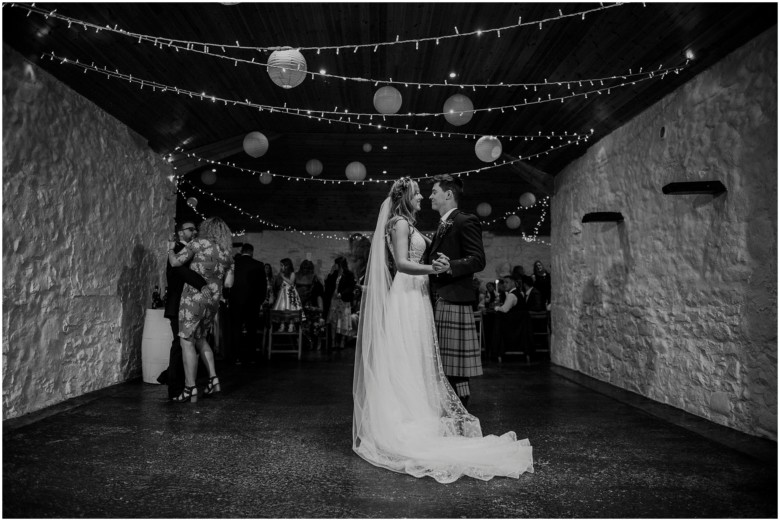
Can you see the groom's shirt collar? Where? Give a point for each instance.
(444, 217)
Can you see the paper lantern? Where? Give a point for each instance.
(387, 100)
(367, 147)
(458, 110)
(527, 200)
(513, 222)
(255, 144)
(286, 67)
(356, 171)
(208, 177)
(484, 209)
(266, 178)
(192, 202)
(314, 167)
(488, 148)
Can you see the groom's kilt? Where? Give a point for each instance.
(458, 342)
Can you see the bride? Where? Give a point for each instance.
(407, 418)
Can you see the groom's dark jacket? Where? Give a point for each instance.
(461, 241)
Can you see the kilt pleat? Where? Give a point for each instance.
(458, 341)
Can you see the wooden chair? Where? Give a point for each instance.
(284, 317)
(479, 323)
(540, 331)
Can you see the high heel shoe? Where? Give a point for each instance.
(188, 394)
(213, 387)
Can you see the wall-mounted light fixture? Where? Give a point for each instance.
(694, 187)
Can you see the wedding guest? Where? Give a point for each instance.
(340, 311)
(176, 278)
(311, 291)
(287, 298)
(210, 257)
(542, 282)
(245, 299)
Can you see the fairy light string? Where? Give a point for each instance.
(377, 181)
(279, 227)
(190, 48)
(204, 47)
(312, 113)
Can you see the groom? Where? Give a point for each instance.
(457, 246)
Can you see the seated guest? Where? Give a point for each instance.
(491, 297)
(531, 298)
(517, 273)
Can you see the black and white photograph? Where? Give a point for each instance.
(427, 260)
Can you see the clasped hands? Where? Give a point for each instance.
(441, 264)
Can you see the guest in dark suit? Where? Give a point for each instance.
(245, 298)
(508, 325)
(458, 245)
(529, 300)
(340, 309)
(176, 277)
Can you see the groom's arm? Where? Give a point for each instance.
(473, 259)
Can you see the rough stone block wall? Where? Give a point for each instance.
(679, 302)
(501, 251)
(87, 207)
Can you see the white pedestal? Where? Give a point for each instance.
(155, 345)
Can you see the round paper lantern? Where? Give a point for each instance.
(192, 202)
(266, 178)
(458, 110)
(286, 67)
(387, 100)
(488, 148)
(314, 167)
(367, 147)
(513, 222)
(255, 144)
(208, 177)
(356, 171)
(527, 200)
(484, 209)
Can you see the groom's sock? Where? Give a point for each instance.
(462, 389)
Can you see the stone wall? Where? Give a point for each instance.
(501, 251)
(679, 302)
(86, 210)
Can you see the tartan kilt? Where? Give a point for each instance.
(458, 342)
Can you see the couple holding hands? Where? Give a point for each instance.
(413, 359)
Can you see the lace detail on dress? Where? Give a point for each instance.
(416, 242)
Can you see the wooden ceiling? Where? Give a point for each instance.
(605, 43)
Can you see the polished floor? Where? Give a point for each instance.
(276, 444)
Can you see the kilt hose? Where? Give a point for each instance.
(458, 343)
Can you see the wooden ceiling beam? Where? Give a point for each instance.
(539, 179)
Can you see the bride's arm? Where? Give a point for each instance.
(400, 237)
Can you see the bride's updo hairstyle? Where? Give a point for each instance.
(401, 197)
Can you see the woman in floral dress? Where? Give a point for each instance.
(210, 254)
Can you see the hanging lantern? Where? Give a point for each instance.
(287, 67)
(314, 167)
(367, 147)
(488, 148)
(209, 177)
(255, 144)
(387, 100)
(513, 222)
(484, 209)
(458, 110)
(356, 171)
(527, 200)
(191, 201)
(266, 178)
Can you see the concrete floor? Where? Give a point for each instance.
(277, 443)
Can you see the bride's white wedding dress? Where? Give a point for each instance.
(407, 418)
